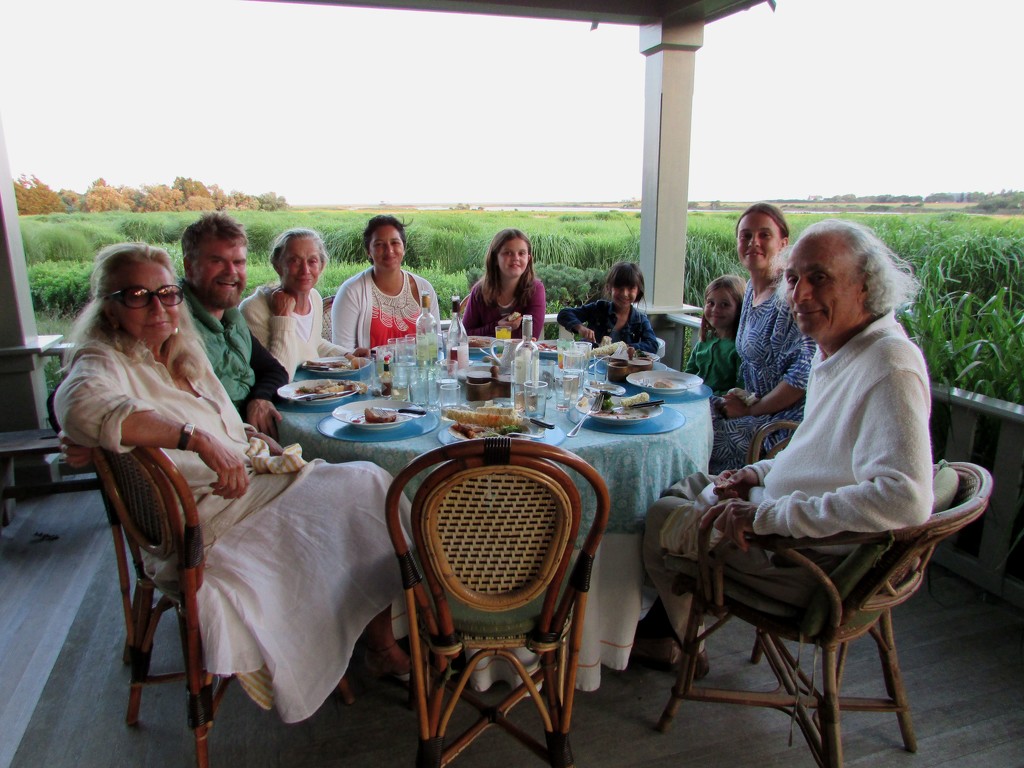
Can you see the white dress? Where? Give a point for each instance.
(295, 569)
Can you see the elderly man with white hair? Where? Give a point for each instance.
(861, 459)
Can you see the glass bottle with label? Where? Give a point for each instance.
(525, 363)
(426, 333)
(458, 340)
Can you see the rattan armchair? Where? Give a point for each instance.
(495, 524)
(857, 598)
(757, 450)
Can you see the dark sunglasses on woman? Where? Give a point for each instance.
(137, 297)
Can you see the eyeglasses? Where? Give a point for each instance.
(137, 297)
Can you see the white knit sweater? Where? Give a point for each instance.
(861, 460)
(278, 334)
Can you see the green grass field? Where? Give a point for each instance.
(969, 319)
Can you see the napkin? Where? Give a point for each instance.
(258, 685)
(264, 464)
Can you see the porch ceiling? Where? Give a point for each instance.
(606, 11)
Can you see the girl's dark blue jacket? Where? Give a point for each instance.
(599, 316)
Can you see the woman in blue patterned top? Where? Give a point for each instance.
(775, 357)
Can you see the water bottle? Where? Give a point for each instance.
(426, 334)
(525, 364)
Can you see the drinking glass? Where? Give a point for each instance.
(502, 330)
(547, 374)
(401, 380)
(535, 399)
(567, 388)
(448, 394)
(405, 349)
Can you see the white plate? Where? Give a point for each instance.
(331, 373)
(627, 416)
(291, 392)
(352, 413)
(680, 381)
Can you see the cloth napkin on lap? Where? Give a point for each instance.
(264, 464)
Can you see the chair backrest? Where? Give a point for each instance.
(155, 507)
(328, 329)
(900, 570)
(495, 526)
(880, 575)
(757, 450)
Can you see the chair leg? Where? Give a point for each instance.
(882, 632)
(688, 665)
(828, 711)
(757, 652)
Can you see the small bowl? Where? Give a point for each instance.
(618, 370)
(639, 364)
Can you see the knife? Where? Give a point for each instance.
(543, 424)
(648, 404)
(320, 396)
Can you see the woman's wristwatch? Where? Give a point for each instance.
(185, 437)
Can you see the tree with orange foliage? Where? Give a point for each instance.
(35, 197)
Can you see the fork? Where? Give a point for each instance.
(593, 409)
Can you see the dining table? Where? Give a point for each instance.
(638, 461)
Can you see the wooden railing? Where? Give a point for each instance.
(971, 427)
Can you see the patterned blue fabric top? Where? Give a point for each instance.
(771, 347)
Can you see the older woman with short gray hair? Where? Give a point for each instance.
(288, 318)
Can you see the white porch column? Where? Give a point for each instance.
(671, 52)
(21, 374)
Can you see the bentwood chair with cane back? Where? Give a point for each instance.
(856, 598)
(494, 525)
(156, 513)
(152, 510)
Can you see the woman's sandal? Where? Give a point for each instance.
(381, 662)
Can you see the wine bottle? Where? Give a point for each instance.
(458, 340)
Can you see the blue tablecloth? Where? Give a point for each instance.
(636, 468)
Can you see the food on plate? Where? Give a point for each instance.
(346, 363)
(663, 384)
(479, 342)
(608, 404)
(608, 349)
(492, 416)
(334, 387)
(474, 431)
(379, 416)
(547, 346)
(643, 397)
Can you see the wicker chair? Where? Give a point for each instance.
(494, 528)
(757, 450)
(156, 513)
(857, 598)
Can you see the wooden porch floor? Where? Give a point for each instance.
(63, 689)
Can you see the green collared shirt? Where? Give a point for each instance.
(228, 345)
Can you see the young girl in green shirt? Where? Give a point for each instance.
(714, 357)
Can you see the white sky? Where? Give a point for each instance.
(339, 105)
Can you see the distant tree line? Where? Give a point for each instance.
(35, 197)
(1005, 201)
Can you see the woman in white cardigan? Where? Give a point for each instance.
(383, 302)
(288, 319)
